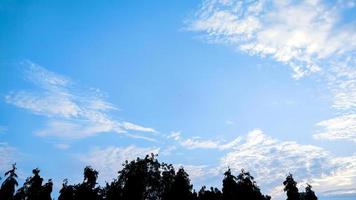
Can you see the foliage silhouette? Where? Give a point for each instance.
(309, 194)
(145, 179)
(241, 187)
(212, 194)
(33, 189)
(290, 186)
(8, 186)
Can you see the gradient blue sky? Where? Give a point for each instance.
(269, 86)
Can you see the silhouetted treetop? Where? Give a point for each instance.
(145, 179)
(9, 185)
(290, 186)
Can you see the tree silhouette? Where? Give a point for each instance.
(212, 194)
(241, 187)
(247, 188)
(309, 194)
(145, 179)
(140, 179)
(290, 186)
(229, 186)
(46, 190)
(33, 189)
(168, 177)
(8, 187)
(87, 189)
(33, 185)
(67, 191)
(181, 187)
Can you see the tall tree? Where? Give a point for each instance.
(133, 178)
(247, 187)
(168, 176)
(229, 186)
(181, 187)
(290, 186)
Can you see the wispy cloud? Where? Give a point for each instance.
(339, 128)
(72, 112)
(199, 143)
(343, 87)
(109, 160)
(311, 37)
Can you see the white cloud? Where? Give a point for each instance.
(175, 135)
(196, 143)
(342, 84)
(199, 143)
(109, 160)
(338, 128)
(135, 127)
(311, 37)
(72, 112)
(298, 33)
(340, 181)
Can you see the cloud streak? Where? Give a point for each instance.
(72, 112)
(199, 143)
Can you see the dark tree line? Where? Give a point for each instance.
(145, 179)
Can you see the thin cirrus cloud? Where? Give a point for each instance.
(200, 143)
(72, 112)
(311, 37)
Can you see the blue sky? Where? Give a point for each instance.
(269, 86)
